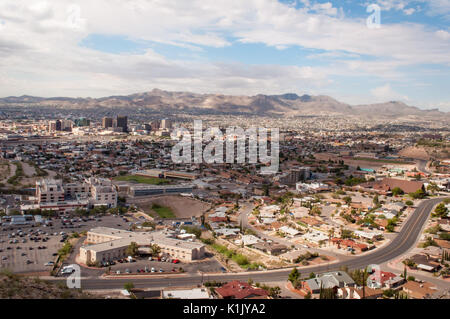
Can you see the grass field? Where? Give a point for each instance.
(142, 179)
(163, 212)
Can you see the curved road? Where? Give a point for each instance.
(403, 242)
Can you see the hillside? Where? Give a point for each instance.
(14, 286)
(289, 104)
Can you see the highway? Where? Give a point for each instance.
(402, 243)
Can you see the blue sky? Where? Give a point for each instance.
(99, 48)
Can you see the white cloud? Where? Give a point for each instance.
(385, 93)
(40, 52)
(409, 11)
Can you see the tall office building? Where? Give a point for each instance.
(54, 126)
(122, 121)
(66, 125)
(155, 125)
(166, 124)
(107, 122)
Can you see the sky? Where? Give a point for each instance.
(87, 48)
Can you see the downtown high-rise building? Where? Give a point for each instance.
(122, 121)
(107, 122)
(166, 124)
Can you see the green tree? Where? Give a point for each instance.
(132, 249)
(155, 250)
(441, 210)
(419, 194)
(128, 286)
(294, 276)
(274, 292)
(376, 200)
(397, 191)
(347, 200)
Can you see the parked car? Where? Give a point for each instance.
(153, 269)
(50, 263)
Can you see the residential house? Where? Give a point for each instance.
(240, 290)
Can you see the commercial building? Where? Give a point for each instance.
(295, 175)
(105, 244)
(161, 173)
(122, 122)
(107, 122)
(52, 194)
(148, 190)
(166, 124)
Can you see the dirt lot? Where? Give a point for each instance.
(415, 152)
(361, 163)
(183, 207)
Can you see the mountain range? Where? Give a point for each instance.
(289, 104)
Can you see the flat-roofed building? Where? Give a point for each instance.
(104, 244)
(53, 194)
(49, 190)
(148, 190)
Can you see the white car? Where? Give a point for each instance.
(153, 269)
(50, 263)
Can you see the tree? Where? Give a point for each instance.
(327, 293)
(128, 286)
(376, 200)
(132, 249)
(347, 200)
(345, 233)
(432, 187)
(274, 292)
(397, 191)
(409, 203)
(441, 210)
(389, 293)
(155, 250)
(419, 194)
(308, 295)
(315, 211)
(294, 277)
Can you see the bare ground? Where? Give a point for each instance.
(183, 207)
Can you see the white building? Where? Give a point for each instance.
(105, 244)
(52, 194)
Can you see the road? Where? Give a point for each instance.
(405, 240)
(422, 166)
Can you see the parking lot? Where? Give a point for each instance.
(21, 257)
(144, 264)
(29, 258)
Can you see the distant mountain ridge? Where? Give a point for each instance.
(284, 104)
